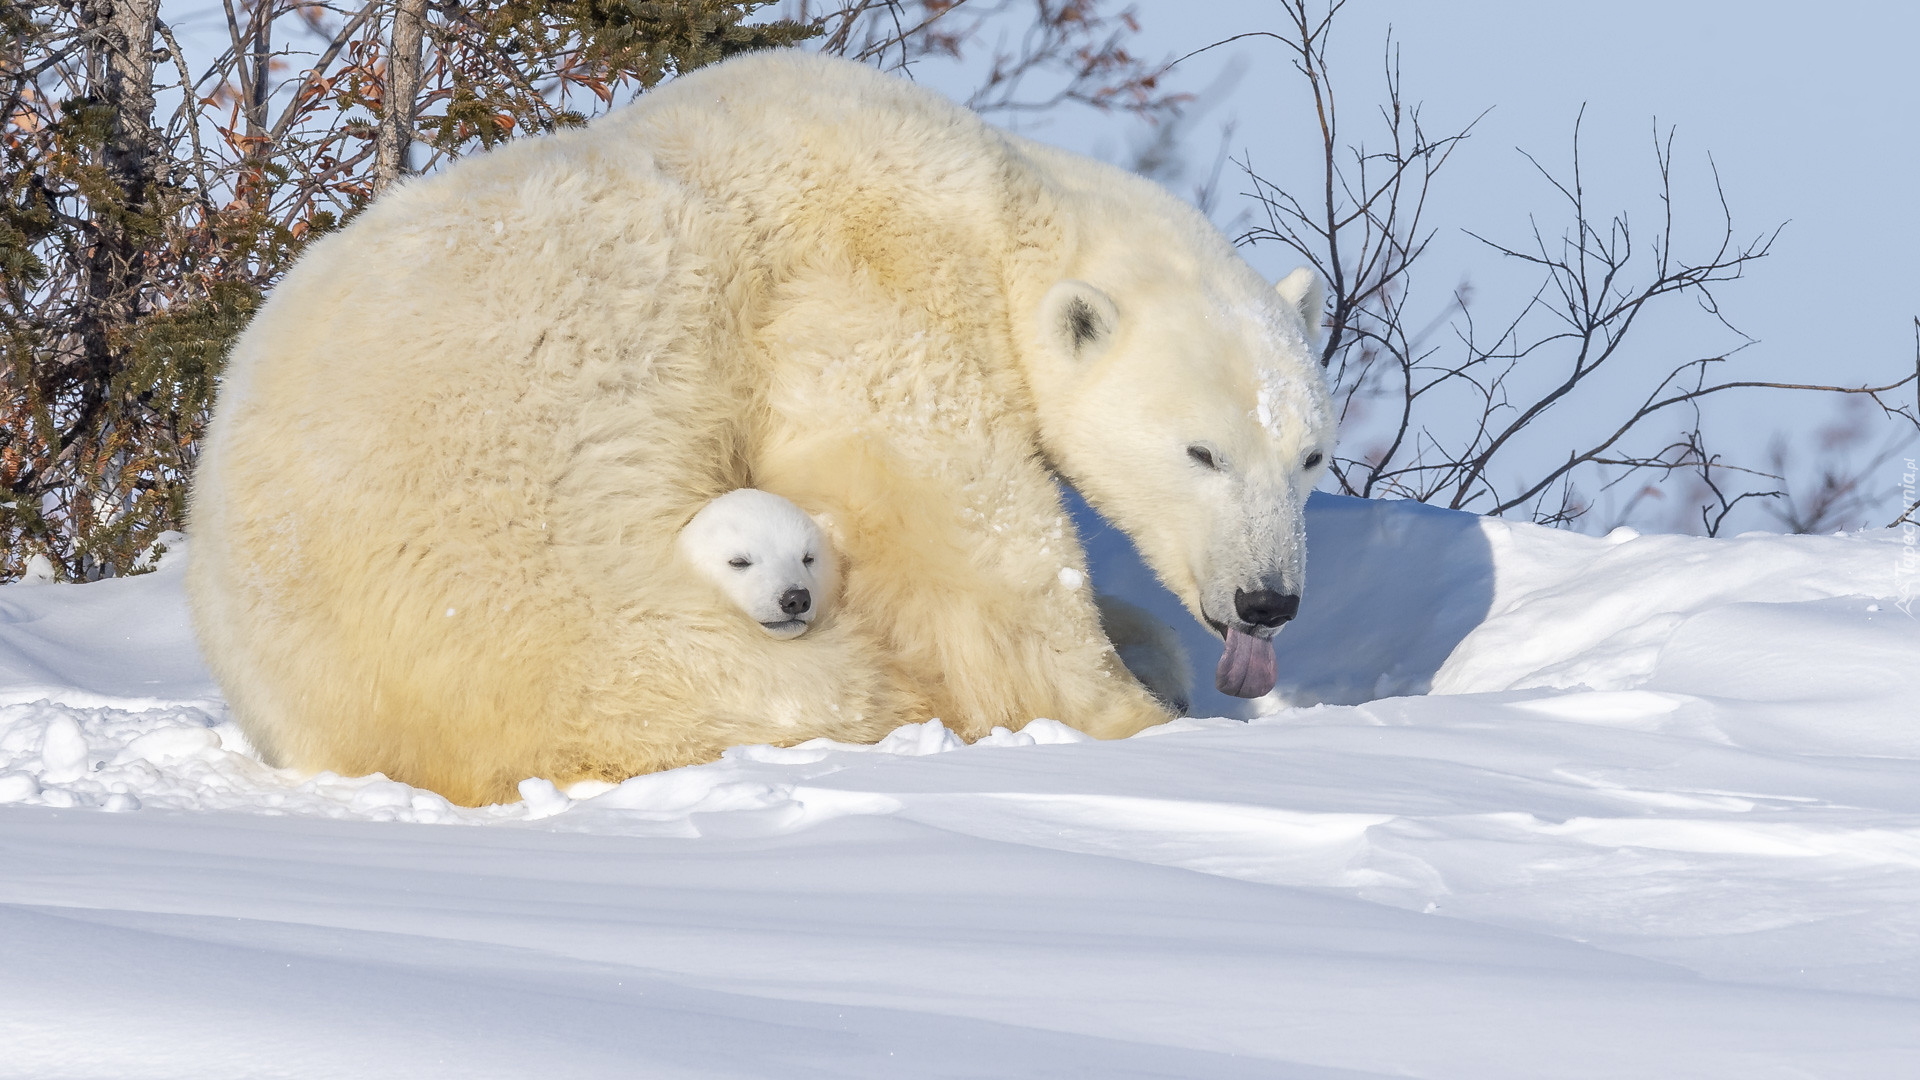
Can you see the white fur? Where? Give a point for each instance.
(503, 389)
(758, 549)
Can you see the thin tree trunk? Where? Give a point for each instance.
(395, 137)
(260, 59)
(120, 69)
(120, 76)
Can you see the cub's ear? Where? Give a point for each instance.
(1302, 290)
(1078, 319)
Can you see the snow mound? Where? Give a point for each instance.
(122, 643)
(1578, 611)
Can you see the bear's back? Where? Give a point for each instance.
(453, 448)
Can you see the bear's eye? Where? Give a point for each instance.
(739, 562)
(806, 560)
(1313, 459)
(1204, 456)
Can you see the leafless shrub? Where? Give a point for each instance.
(1848, 468)
(1404, 387)
(1040, 54)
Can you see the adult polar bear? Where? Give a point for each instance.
(452, 452)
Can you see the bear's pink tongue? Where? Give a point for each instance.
(1247, 669)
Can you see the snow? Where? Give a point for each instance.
(1527, 804)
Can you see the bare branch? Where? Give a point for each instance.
(1465, 423)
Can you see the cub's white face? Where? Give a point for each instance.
(1189, 408)
(766, 556)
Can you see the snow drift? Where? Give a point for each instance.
(1655, 811)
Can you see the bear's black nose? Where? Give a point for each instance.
(1264, 607)
(795, 602)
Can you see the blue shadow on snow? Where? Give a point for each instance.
(1392, 587)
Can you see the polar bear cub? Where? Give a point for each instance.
(766, 556)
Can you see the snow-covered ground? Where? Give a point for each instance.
(1654, 812)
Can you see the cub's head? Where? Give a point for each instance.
(766, 556)
(1181, 395)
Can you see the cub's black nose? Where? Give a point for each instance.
(795, 602)
(1264, 607)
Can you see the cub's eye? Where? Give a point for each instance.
(1313, 459)
(806, 560)
(739, 562)
(1203, 455)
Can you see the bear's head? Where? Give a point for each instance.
(766, 556)
(1180, 394)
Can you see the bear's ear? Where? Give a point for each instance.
(1302, 290)
(1078, 319)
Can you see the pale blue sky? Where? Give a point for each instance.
(1812, 113)
(1812, 116)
